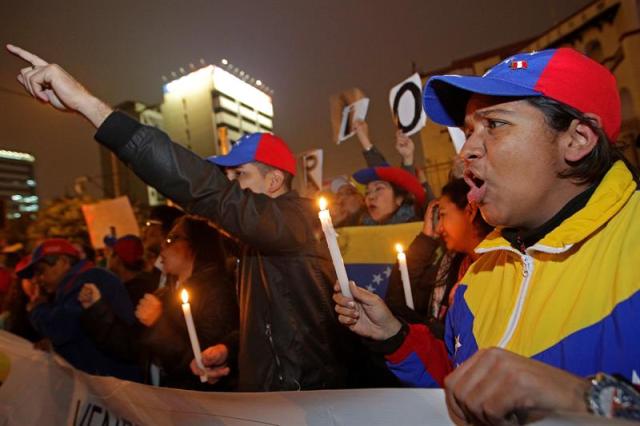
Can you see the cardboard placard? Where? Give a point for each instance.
(351, 113)
(107, 216)
(311, 166)
(405, 100)
(338, 103)
(457, 137)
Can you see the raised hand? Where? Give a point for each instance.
(52, 84)
(149, 310)
(405, 147)
(430, 227)
(89, 294)
(366, 314)
(362, 132)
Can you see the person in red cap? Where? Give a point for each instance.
(21, 293)
(393, 195)
(59, 273)
(546, 318)
(127, 262)
(289, 337)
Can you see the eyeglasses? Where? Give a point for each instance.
(152, 222)
(172, 238)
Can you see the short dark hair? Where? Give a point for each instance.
(593, 166)
(136, 266)
(456, 190)
(167, 215)
(205, 241)
(265, 168)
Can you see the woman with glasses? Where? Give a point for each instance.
(194, 253)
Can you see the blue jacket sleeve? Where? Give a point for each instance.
(59, 321)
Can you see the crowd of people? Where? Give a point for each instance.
(525, 295)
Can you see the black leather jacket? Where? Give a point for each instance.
(289, 337)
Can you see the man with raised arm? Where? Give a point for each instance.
(289, 338)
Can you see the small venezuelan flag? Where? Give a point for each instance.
(369, 252)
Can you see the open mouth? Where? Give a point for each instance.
(472, 179)
(477, 187)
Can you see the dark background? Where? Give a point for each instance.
(304, 50)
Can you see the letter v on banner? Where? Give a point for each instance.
(405, 100)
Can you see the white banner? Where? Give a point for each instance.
(37, 388)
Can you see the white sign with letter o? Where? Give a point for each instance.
(405, 100)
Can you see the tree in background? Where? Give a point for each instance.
(60, 218)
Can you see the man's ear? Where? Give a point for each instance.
(275, 181)
(580, 139)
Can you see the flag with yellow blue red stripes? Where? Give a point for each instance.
(369, 252)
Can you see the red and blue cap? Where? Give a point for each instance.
(128, 248)
(563, 74)
(395, 175)
(50, 247)
(263, 147)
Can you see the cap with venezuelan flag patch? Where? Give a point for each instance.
(563, 74)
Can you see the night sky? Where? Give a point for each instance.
(306, 51)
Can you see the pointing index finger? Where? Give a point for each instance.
(27, 56)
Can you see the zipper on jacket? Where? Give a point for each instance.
(273, 349)
(527, 271)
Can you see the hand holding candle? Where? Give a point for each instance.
(195, 344)
(404, 275)
(334, 249)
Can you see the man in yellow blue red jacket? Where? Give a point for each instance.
(555, 297)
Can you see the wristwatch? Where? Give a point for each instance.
(611, 397)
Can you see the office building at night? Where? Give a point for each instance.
(211, 107)
(17, 185)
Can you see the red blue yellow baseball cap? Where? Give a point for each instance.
(563, 74)
(395, 175)
(263, 147)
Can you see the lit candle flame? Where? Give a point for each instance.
(322, 202)
(399, 248)
(185, 296)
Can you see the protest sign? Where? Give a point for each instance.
(457, 138)
(107, 216)
(39, 388)
(350, 114)
(67, 396)
(338, 103)
(310, 168)
(405, 100)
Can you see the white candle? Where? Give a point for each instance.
(195, 345)
(404, 275)
(334, 249)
